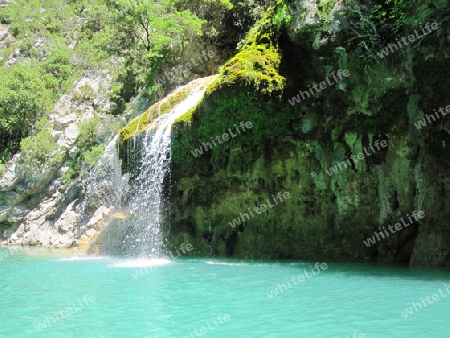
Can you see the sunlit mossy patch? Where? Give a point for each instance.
(256, 65)
(144, 121)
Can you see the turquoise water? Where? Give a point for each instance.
(106, 297)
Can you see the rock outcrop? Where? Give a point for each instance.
(217, 197)
(38, 206)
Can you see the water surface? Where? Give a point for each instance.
(118, 297)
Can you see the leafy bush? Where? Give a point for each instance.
(59, 66)
(92, 156)
(25, 95)
(85, 93)
(88, 152)
(42, 147)
(88, 133)
(390, 20)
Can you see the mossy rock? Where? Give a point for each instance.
(257, 63)
(145, 121)
(187, 117)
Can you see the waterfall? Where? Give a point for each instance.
(145, 239)
(141, 232)
(105, 184)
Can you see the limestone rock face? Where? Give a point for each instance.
(12, 176)
(37, 205)
(4, 213)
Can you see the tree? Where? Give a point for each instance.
(25, 94)
(145, 33)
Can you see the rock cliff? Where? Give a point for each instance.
(294, 143)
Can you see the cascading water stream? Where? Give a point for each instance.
(105, 184)
(145, 201)
(144, 236)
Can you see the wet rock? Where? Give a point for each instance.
(99, 216)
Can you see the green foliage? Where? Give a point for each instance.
(257, 63)
(30, 87)
(223, 109)
(37, 17)
(243, 92)
(2, 169)
(389, 20)
(368, 39)
(212, 13)
(282, 16)
(71, 173)
(232, 26)
(85, 93)
(325, 10)
(88, 151)
(26, 93)
(393, 17)
(88, 133)
(41, 148)
(58, 66)
(91, 156)
(5, 155)
(145, 33)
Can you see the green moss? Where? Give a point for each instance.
(257, 63)
(325, 12)
(248, 89)
(144, 121)
(187, 117)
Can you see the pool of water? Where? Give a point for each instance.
(48, 294)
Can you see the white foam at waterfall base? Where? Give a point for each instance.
(144, 237)
(141, 263)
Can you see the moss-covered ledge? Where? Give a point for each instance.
(145, 120)
(257, 63)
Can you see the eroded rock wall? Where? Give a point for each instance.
(327, 216)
